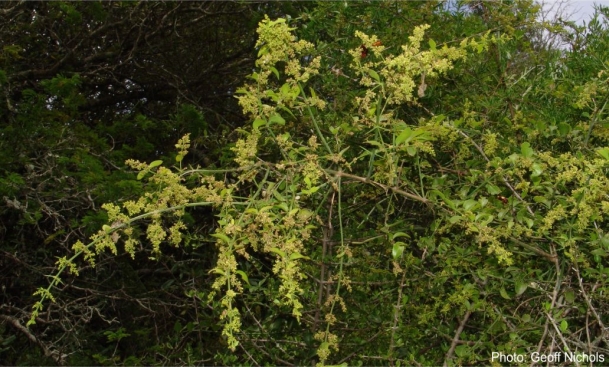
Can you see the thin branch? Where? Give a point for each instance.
(552, 258)
(53, 354)
(396, 317)
(455, 341)
(589, 303)
(366, 342)
(562, 339)
(394, 189)
(554, 297)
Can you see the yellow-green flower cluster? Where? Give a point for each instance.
(277, 43)
(328, 340)
(279, 47)
(183, 145)
(555, 214)
(246, 149)
(399, 72)
(490, 143)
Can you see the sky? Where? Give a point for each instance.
(582, 9)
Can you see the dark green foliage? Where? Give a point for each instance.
(85, 86)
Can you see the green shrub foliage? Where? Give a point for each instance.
(374, 214)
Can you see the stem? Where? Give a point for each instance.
(317, 130)
(396, 317)
(453, 345)
(395, 189)
(420, 176)
(592, 123)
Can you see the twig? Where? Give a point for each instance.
(455, 341)
(554, 297)
(562, 339)
(282, 361)
(553, 258)
(53, 354)
(366, 342)
(396, 317)
(395, 189)
(589, 303)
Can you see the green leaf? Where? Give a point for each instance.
(277, 119)
(432, 44)
(222, 236)
(155, 164)
(564, 325)
(311, 191)
(431, 194)
(375, 143)
(569, 296)
(455, 218)
(257, 123)
(263, 51)
(141, 174)
(525, 150)
(605, 241)
(243, 276)
(484, 218)
(504, 293)
(312, 91)
(278, 252)
(405, 134)
(537, 170)
(470, 204)
(398, 249)
(564, 128)
(462, 350)
(492, 189)
(543, 200)
(283, 108)
(296, 256)
(520, 287)
(217, 271)
(272, 95)
(599, 252)
(603, 152)
(278, 196)
(275, 71)
(399, 234)
(374, 75)
(285, 89)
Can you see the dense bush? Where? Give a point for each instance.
(433, 192)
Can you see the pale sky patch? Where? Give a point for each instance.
(579, 11)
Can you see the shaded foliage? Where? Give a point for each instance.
(84, 87)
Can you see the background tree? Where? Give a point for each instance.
(84, 87)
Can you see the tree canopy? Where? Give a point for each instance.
(399, 183)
